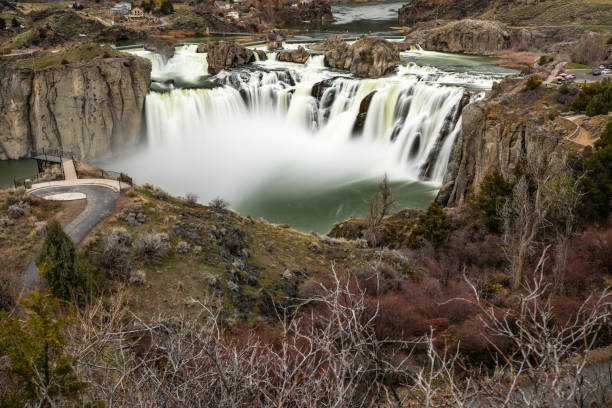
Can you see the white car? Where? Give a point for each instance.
(606, 71)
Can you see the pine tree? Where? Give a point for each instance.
(58, 254)
(38, 372)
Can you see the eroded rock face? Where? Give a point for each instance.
(162, 47)
(299, 56)
(90, 108)
(495, 136)
(370, 57)
(225, 54)
(465, 36)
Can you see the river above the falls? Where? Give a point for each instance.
(283, 141)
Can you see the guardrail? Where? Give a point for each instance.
(53, 152)
(115, 175)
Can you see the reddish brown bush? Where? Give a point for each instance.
(564, 309)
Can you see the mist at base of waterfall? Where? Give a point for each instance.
(271, 168)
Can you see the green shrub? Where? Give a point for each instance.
(533, 82)
(15, 23)
(494, 190)
(597, 106)
(166, 8)
(564, 89)
(598, 169)
(433, 226)
(545, 59)
(589, 91)
(2, 24)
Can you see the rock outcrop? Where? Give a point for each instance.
(331, 43)
(90, 108)
(370, 57)
(465, 36)
(496, 133)
(162, 47)
(299, 56)
(225, 54)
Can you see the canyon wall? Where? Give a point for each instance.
(90, 108)
(496, 133)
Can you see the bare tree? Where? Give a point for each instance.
(564, 194)
(380, 206)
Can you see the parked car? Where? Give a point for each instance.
(601, 67)
(606, 71)
(596, 72)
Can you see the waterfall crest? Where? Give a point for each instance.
(403, 115)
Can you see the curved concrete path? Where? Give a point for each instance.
(100, 203)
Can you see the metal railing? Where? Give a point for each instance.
(53, 152)
(114, 175)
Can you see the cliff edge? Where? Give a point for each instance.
(90, 107)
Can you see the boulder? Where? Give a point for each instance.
(202, 48)
(332, 43)
(368, 57)
(299, 56)
(274, 42)
(262, 55)
(162, 47)
(225, 55)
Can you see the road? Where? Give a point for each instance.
(100, 203)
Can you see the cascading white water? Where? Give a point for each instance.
(299, 143)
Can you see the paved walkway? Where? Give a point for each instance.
(112, 184)
(69, 170)
(100, 203)
(554, 72)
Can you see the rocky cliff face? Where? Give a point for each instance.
(496, 133)
(465, 36)
(484, 37)
(90, 108)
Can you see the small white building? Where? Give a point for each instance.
(233, 14)
(223, 5)
(121, 8)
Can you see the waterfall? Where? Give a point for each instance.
(300, 143)
(411, 115)
(405, 117)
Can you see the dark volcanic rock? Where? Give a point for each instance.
(299, 56)
(261, 54)
(363, 112)
(225, 54)
(370, 57)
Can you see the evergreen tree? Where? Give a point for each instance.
(2, 24)
(58, 254)
(598, 168)
(15, 23)
(38, 371)
(494, 190)
(433, 226)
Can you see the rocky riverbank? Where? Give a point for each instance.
(91, 108)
